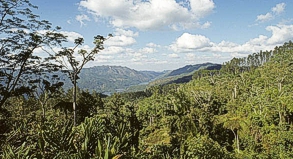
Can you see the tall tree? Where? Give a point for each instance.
(67, 58)
(21, 34)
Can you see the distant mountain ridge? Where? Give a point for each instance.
(110, 79)
(190, 69)
(184, 74)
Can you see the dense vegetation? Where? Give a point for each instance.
(243, 110)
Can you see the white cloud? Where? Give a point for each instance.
(100, 59)
(217, 55)
(156, 61)
(152, 14)
(103, 57)
(147, 50)
(82, 18)
(153, 45)
(279, 8)
(187, 42)
(173, 55)
(190, 56)
(258, 41)
(136, 54)
(264, 17)
(280, 34)
(112, 50)
(137, 57)
(238, 55)
(129, 33)
(122, 38)
(202, 8)
(206, 25)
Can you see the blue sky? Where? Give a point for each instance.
(168, 34)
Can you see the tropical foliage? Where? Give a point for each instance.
(243, 110)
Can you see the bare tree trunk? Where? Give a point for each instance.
(43, 107)
(44, 113)
(237, 139)
(74, 99)
(238, 147)
(235, 91)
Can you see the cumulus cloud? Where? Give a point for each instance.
(202, 8)
(258, 41)
(278, 9)
(188, 43)
(122, 38)
(82, 18)
(280, 34)
(152, 14)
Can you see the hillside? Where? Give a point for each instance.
(184, 74)
(111, 78)
(190, 69)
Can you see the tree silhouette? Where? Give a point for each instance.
(23, 34)
(67, 58)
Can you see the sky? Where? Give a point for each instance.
(162, 35)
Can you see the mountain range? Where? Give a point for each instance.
(110, 79)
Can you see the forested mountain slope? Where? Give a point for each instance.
(184, 74)
(192, 68)
(243, 110)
